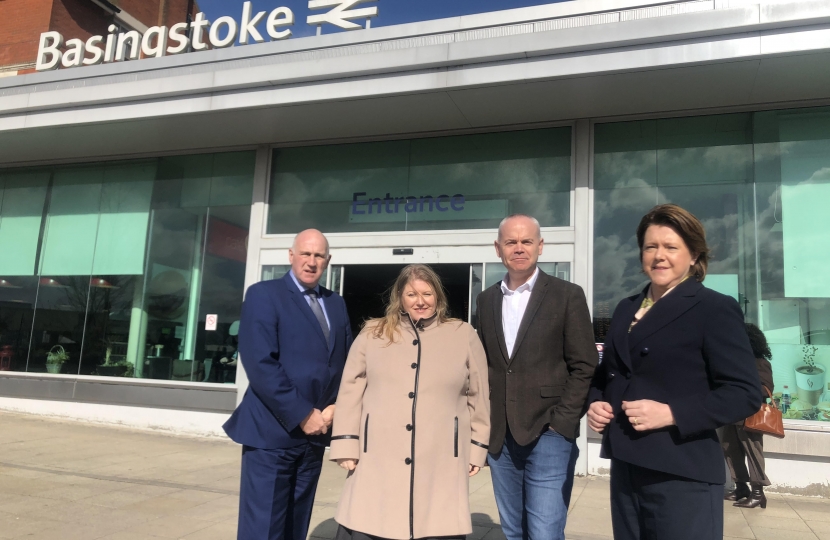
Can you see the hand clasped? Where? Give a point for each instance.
(647, 415)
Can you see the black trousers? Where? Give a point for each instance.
(652, 505)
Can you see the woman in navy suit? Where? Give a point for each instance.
(677, 365)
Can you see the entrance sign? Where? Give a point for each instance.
(199, 35)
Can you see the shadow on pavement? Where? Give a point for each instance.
(325, 529)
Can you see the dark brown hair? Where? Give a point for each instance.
(686, 225)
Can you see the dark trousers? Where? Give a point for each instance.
(277, 492)
(741, 448)
(651, 505)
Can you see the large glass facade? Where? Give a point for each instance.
(760, 183)
(442, 183)
(112, 269)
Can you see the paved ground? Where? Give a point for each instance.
(70, 481)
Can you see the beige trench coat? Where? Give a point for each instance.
(415, 414)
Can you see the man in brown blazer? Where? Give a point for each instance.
(537, 333)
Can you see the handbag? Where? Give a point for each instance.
(767, 420)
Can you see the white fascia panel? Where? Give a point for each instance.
(796, 11)
(438, 80)
(796, 42)
(148, 88)
(133, 111)
(338, 90)
(14, 102)
(657, 57)
(621, 34)
(336, 67)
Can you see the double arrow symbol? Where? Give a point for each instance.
(342, 14)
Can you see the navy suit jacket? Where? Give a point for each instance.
(291, 369)
(690, 351)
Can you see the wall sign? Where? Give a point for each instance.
(409, 208)
(199, 35)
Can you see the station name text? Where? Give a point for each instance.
(199, 35)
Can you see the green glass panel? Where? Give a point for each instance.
(460, 182)
(22, 196)
(232, 183)
(805, 192)
(125, 212)
(72, 223)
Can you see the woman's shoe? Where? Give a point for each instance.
(755, 499)
(741, 490)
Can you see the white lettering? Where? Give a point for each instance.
(74, 54)
(274, 22)
(135, 45)
(248, 25)
(157, 50)
(161, 40)
(92, 46)
(178, 33)
(198, 25)
(342, 13)
(228, 40)
(109, 51)
(48, 47)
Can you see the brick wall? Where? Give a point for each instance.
(79, 19)
(23, 21)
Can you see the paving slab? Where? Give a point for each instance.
(63, 480)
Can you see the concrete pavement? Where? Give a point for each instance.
(63, 480)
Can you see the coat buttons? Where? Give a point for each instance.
(408, 461)
(414, 365)
(411, 395)
(612, 375)
(509, 371)
(415, 342)
(409, 427)
(644, 351)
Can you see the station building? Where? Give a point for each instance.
(138, 199)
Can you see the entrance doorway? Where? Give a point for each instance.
(364, 286)
(366, 289)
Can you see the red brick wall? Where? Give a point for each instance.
(79, 19)
(23, 22)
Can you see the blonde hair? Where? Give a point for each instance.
(388, 326)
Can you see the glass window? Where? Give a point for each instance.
(759, 183)
(460, 182)
(113, 269)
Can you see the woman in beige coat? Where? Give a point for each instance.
(412, 420)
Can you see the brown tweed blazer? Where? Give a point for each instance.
(545, 382)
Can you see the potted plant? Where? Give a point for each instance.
(55, 359)
(109, 368)
(809, 378)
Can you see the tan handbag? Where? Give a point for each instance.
(767, 420)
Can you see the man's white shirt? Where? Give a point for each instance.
(513, 307)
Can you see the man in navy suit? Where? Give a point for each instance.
(293, 339)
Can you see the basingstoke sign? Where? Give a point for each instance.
(199, 35)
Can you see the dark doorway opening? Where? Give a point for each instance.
(366, 289)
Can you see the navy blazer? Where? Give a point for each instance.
(291, 369)
(692, 352)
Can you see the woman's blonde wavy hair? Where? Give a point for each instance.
(388, 326)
